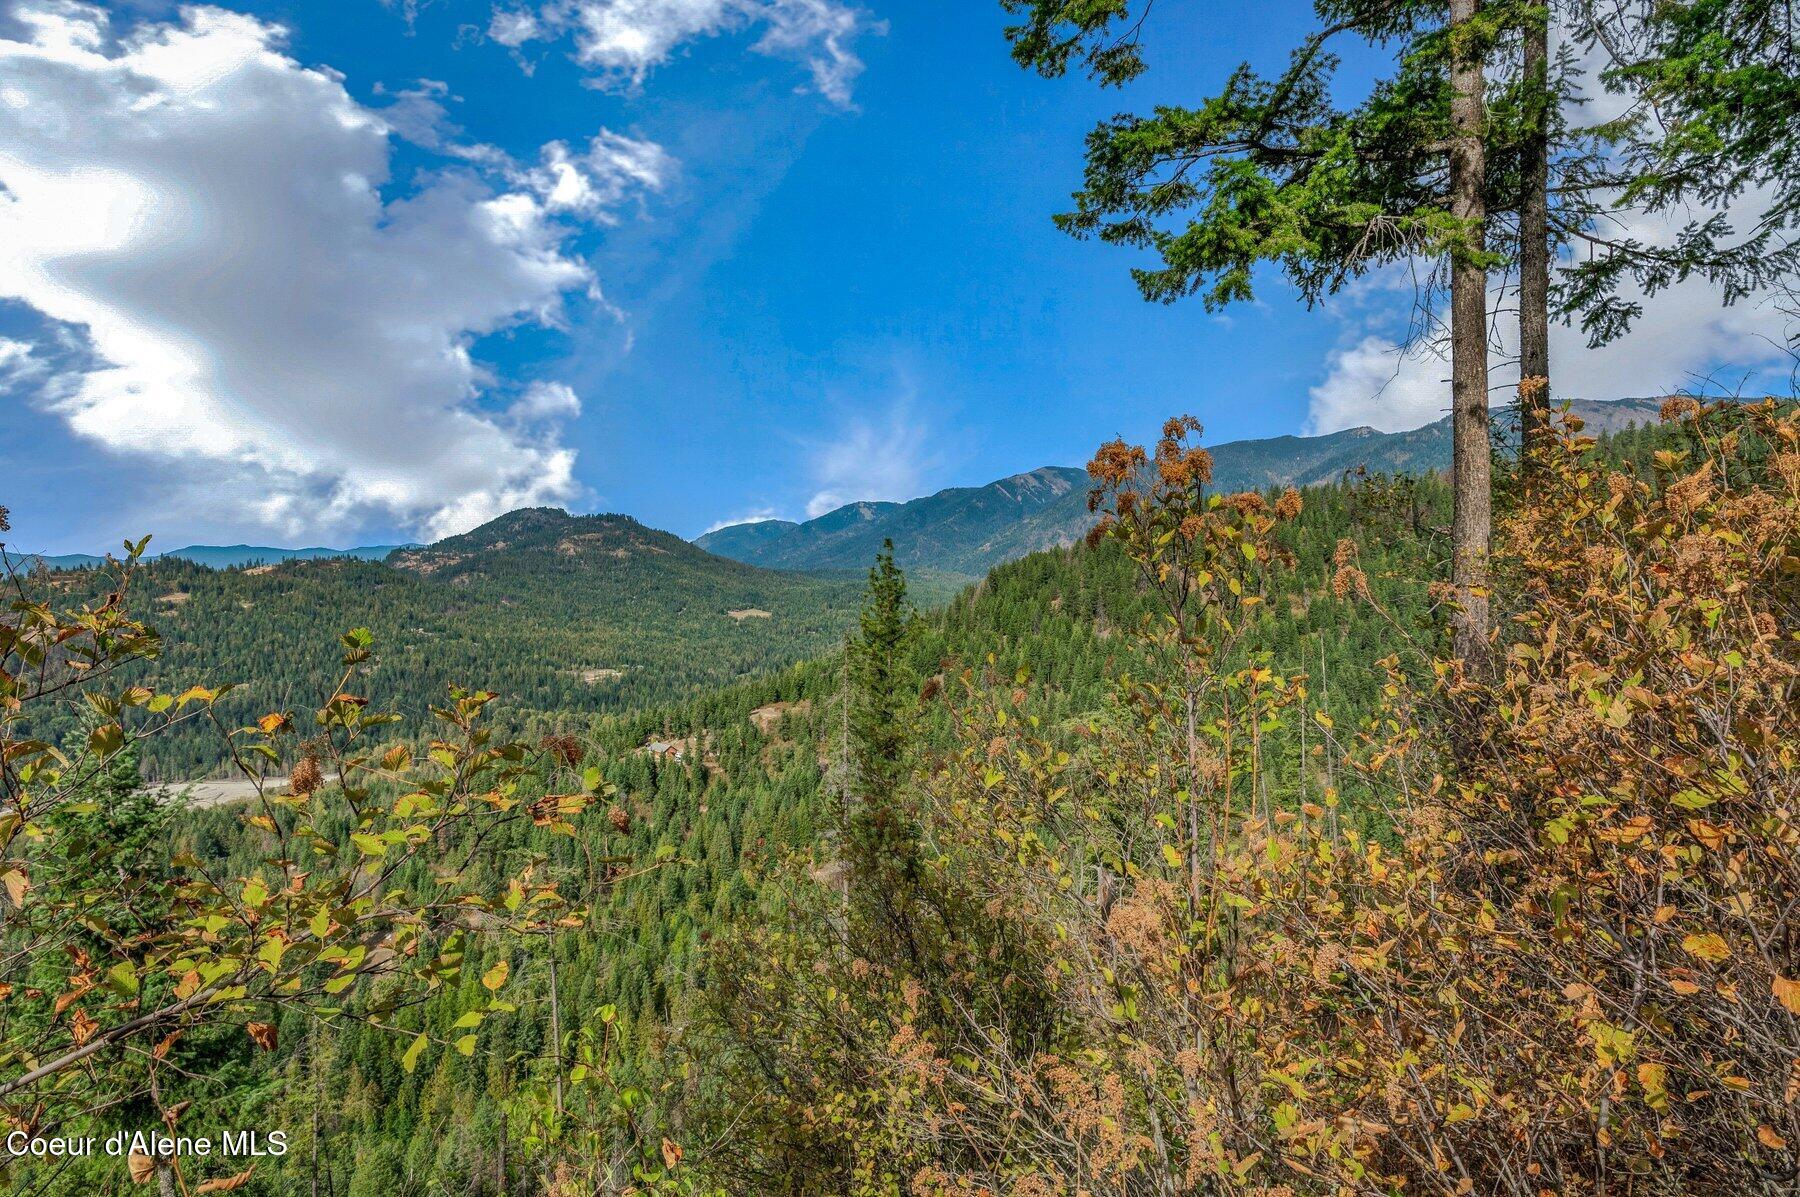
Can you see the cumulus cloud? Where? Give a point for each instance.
(593, 182)
(546, 401)
(624, 40)
(206, 217)
(17, 363)
(1378, 384)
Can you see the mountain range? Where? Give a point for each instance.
(223, 556)
(958, 533)
(969, 530)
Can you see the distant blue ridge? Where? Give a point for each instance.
(215, 556)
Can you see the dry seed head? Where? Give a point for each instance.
(307, 776)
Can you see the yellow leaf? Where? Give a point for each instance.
(1172, 856)
(466, 1045)
(1709, 834)
(1786, 992)
(1709, 947)
(495, 977)
(1766, 1135)
(16, 884)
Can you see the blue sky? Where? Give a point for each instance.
(802, 255)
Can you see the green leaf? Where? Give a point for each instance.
(122, 979)
(466, 1045)
(106, 739)
(410, 1060)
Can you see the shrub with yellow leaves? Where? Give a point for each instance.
(1574, 965)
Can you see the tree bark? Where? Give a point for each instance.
(556, 1031)
(1470, 466)
(1534, 247)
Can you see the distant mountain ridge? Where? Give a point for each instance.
(223, 556)
(969, 530)
(963, 530)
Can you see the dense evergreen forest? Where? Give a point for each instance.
(571, 615)
(751, 794)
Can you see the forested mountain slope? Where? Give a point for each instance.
(557, 613)
(965, 529)
(750, 790)
(222, 556)
(971, 529)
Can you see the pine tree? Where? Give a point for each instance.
(1278, 171)
(1716, 91)
(881, 707)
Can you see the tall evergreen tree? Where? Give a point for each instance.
(1274, 170)
(1536, 240)
(881, 708)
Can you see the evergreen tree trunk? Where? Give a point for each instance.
(556, 1031)
(312, 1066)
(1534, 245)
(1470, 466)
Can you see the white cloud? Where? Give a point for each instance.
(206, 216)
(869, 460)
(762, 515)
(546, 401)
(17, 363)
(626, 39)
(1684, 335)
(594, 182)
(514, 27)
(1377, 383)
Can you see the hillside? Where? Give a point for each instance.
(754, 792)
(560, 614)
(965, 529)
(971, 529)
(219, 556)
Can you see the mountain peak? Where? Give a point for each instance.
(971, 529)
(543, 531)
